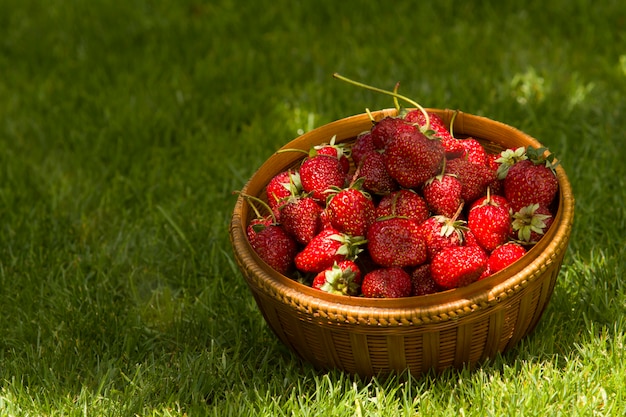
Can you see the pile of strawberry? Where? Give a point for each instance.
(407, 210)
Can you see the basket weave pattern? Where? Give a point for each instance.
(368, 337)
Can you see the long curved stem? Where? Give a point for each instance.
(389, 93)
(452, 122)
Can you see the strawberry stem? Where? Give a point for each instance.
(250, 198)
(452, 119)
(292, 150)
(426, 126)
(395, 99)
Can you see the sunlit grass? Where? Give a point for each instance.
(125, 127)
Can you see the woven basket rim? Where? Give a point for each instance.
(438, 307)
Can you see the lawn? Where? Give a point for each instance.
(125, 127)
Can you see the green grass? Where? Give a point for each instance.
(125, 126)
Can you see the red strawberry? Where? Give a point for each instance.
(486, 272)
(391, 282)
(376, 178)
(387, 129)
(325, 220)
(443, 194)
(423, 282)
(396, 241)
(496, 186)
(441, 232)
(319, 173)
(504, 255)
(496, 199)
(469, 239)
(490, 222)
(474, 151)
(452, 146)
(326, 248)
(403, 203)
(282, 186)
(474, 177)
(351, 210)
(458, 266)
(363, 144)
(492, 161)
(343, 278)
(260, 222)
(530, 223)
(256, 225)
(275, 246)
(339, 151)
(300, 217)
(411, 158)
(531, 181)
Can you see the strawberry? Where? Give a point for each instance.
(319, 173)
(376, 178)
(257, 225)
(458, 266)
(468, 238)
(343, 278)
(387, 129)
(492, 161)
(363, 144)
(531, 181)
(490, 222)
(497, 185)
(474, 151)
(530, 223)
(423, 282)
(496, 199)
(411, 158)
(300, 217)
(274, 246)
(452, 146)
(443, 194)
(325, 220)
(282, 186)
(351, 210)
(474, 178)
(403, 203)
(260, 222)
(441, 232)
(391, 282)
(503, 256)
(338, 151)
(396, 241)
(326, 248)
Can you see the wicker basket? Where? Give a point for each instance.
(371, 337)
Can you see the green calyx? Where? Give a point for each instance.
(508, 158)
(340, 281)
(356, 184)
(451, 225)
(542, 156)
(339, 147)
(350, 245)
(538, 156)
(527, 220)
